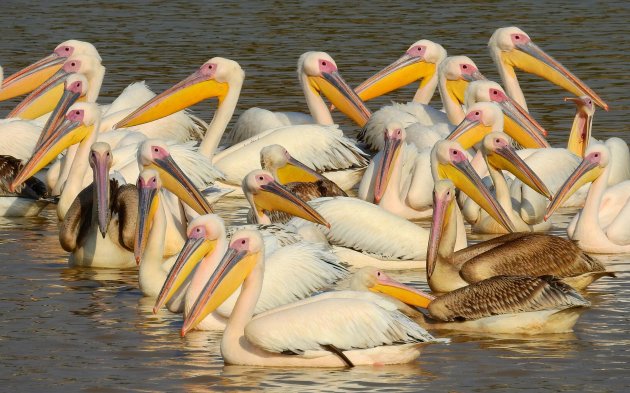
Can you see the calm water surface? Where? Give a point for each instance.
(75, 329)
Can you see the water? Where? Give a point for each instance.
(75, 329)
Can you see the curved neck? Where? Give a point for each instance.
(392, 196)
(64, 171)
(426, 89)
(204, 271)
(588, 225)
(316, 104)
(150, 275)
(244, 308)
(445, 276)
(96, 81)
(502, 192)
(221, 119)
(508, 78)
(80, 165)
(451, 105)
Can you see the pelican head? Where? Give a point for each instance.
(318, 72)
(450, 161)
(245, 253)
(499, 153)
(101, 161)
(79, 122)
(582, 125)
(44, 98)
(455, 73)
(443, 208)
(375, 280)
(596, 158)
(394, 140)
(29, 78)
(517, 121)
(264, 193)
(215, 78)
(285, 169)
(420, 62)
(482, 118)
(155, 154)
(512, 47)
(204, 233)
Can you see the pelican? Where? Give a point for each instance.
(29, 78)
(254, 121)
(596, 232)
(511, 47)
(323, 148)
(498, 305)
(367, 235)
(424, 60)
(26, 201)
(98, 228)
(295, 270)
(318, 332)
(500, 155)
(520, 254)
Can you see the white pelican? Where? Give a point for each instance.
(31, 77)
(498, 305)
(321, 331)
(511, 47)
(522, 254)
(98, 228)
(424, 60)
(500, 155)
(295, 270)
(323, 148)
(253, 121)
(594, 232)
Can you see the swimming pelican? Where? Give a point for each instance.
(29, 78)
(253, 121)
(511, 47)
(323, 148)
(498, 305)
(517, 254)
(295, 270)
(593, 231)
(98, 228)
(320, 331)
(424, 60)
(26, 201)
(500, 155)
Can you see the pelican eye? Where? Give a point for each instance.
(155, 149)
(465, 66)
(497, 140)
(260, 178)
(378, 274)
(476, 113)
(243, 241)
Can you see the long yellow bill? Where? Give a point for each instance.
(462, 174)
(404, 293)
(273, 196)
(29, 78)
(332, 85)
(148, 202)
(443, 205)
(518, 123)
(588, 170)
(385, 166)
(532, 59)
(197, 87)
(232, 270)
(194, 250)
(582, 125)
(295, 171)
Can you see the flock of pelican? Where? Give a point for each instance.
(272, 286)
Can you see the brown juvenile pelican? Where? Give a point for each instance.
(99, 227)
(525, 254)
(27, 200)
(502, 304)
(296, 177)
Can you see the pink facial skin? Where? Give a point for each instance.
(474, 115)
(72, 66)
(240, 244)
(208, 69)
(417, 51)
(457, 156)
(76, 87)
(520, 39)
(149, 184)
(158, 152)
(198, 232)
(497, 95)
(75, 115)
(64, 51)
(467, 69)
(326, 66)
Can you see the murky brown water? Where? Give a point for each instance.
(67, 329)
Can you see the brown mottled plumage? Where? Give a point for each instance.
(82, 215)
(32, 188)
(505, 295)
(531, 254)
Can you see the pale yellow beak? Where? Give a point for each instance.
(582, 125)
(443, 205)
(148, 201)
(227, 277)
(530, 58)
(404, 293)
(29, 78)
(295, 171)
(274, 196)
(332, 85)
(195, 88)
(385, 167)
